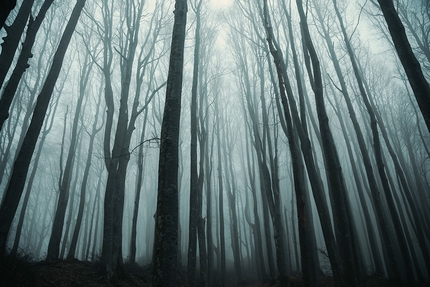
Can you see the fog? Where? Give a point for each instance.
(231, 141)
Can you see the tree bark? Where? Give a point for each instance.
(166, 232)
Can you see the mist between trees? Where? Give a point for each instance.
(252, 141)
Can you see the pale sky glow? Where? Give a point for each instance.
(221, 3)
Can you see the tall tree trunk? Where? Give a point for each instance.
(17, 181)
(331, 158)
(57, 227)
(221, 245)
(209, 237)
(412, 67)
(139, 183)
(307, 152)
(231, 197)
(194, 185)
(47, 128)
(119, 157)
(378, 155)
(72, 249)
(380, 216)
(166, 232)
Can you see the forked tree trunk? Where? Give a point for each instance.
(22, 63)
(11, 41)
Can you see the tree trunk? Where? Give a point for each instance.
(331, 158)
(22, 63)
(22, 162)
(166, 232)
(10, 43)
(412, 67)
(5, 8)
(46, 130)
(221, 246)
(72, 250)
(194, 177)
(57, 228)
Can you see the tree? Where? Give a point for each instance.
(10, 43)
(335, 176)
(16, 182)
(166, 231)
(412, 67)
(5, 8)
(21, 65)
(66, 178)
(195, 192)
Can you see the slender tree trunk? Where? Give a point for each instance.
(194, 177)
(231, 197)
(22, 162)
(46, 130)
(364, 153)
(57, 229)
(72, 250)
(331, 158)
(379, 156)
(221, 246)
(306, 148)
(209, 238)
(139, 183)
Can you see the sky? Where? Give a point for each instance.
(221, 3)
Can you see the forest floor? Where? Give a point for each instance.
(70, 273)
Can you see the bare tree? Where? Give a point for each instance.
(22, 162)
(166, 232)
(194, 177)
(412, 67)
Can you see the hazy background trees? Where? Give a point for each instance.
(301, 147)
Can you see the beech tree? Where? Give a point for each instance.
(22, 162)
(412, 67)
(166, 231)
(286, 151)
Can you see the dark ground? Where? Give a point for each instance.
(81, 273)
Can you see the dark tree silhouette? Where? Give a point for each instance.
(6, 6)
(22, 162)
(22, 63)
(412, 67)
(166, 228)
(11, 41)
